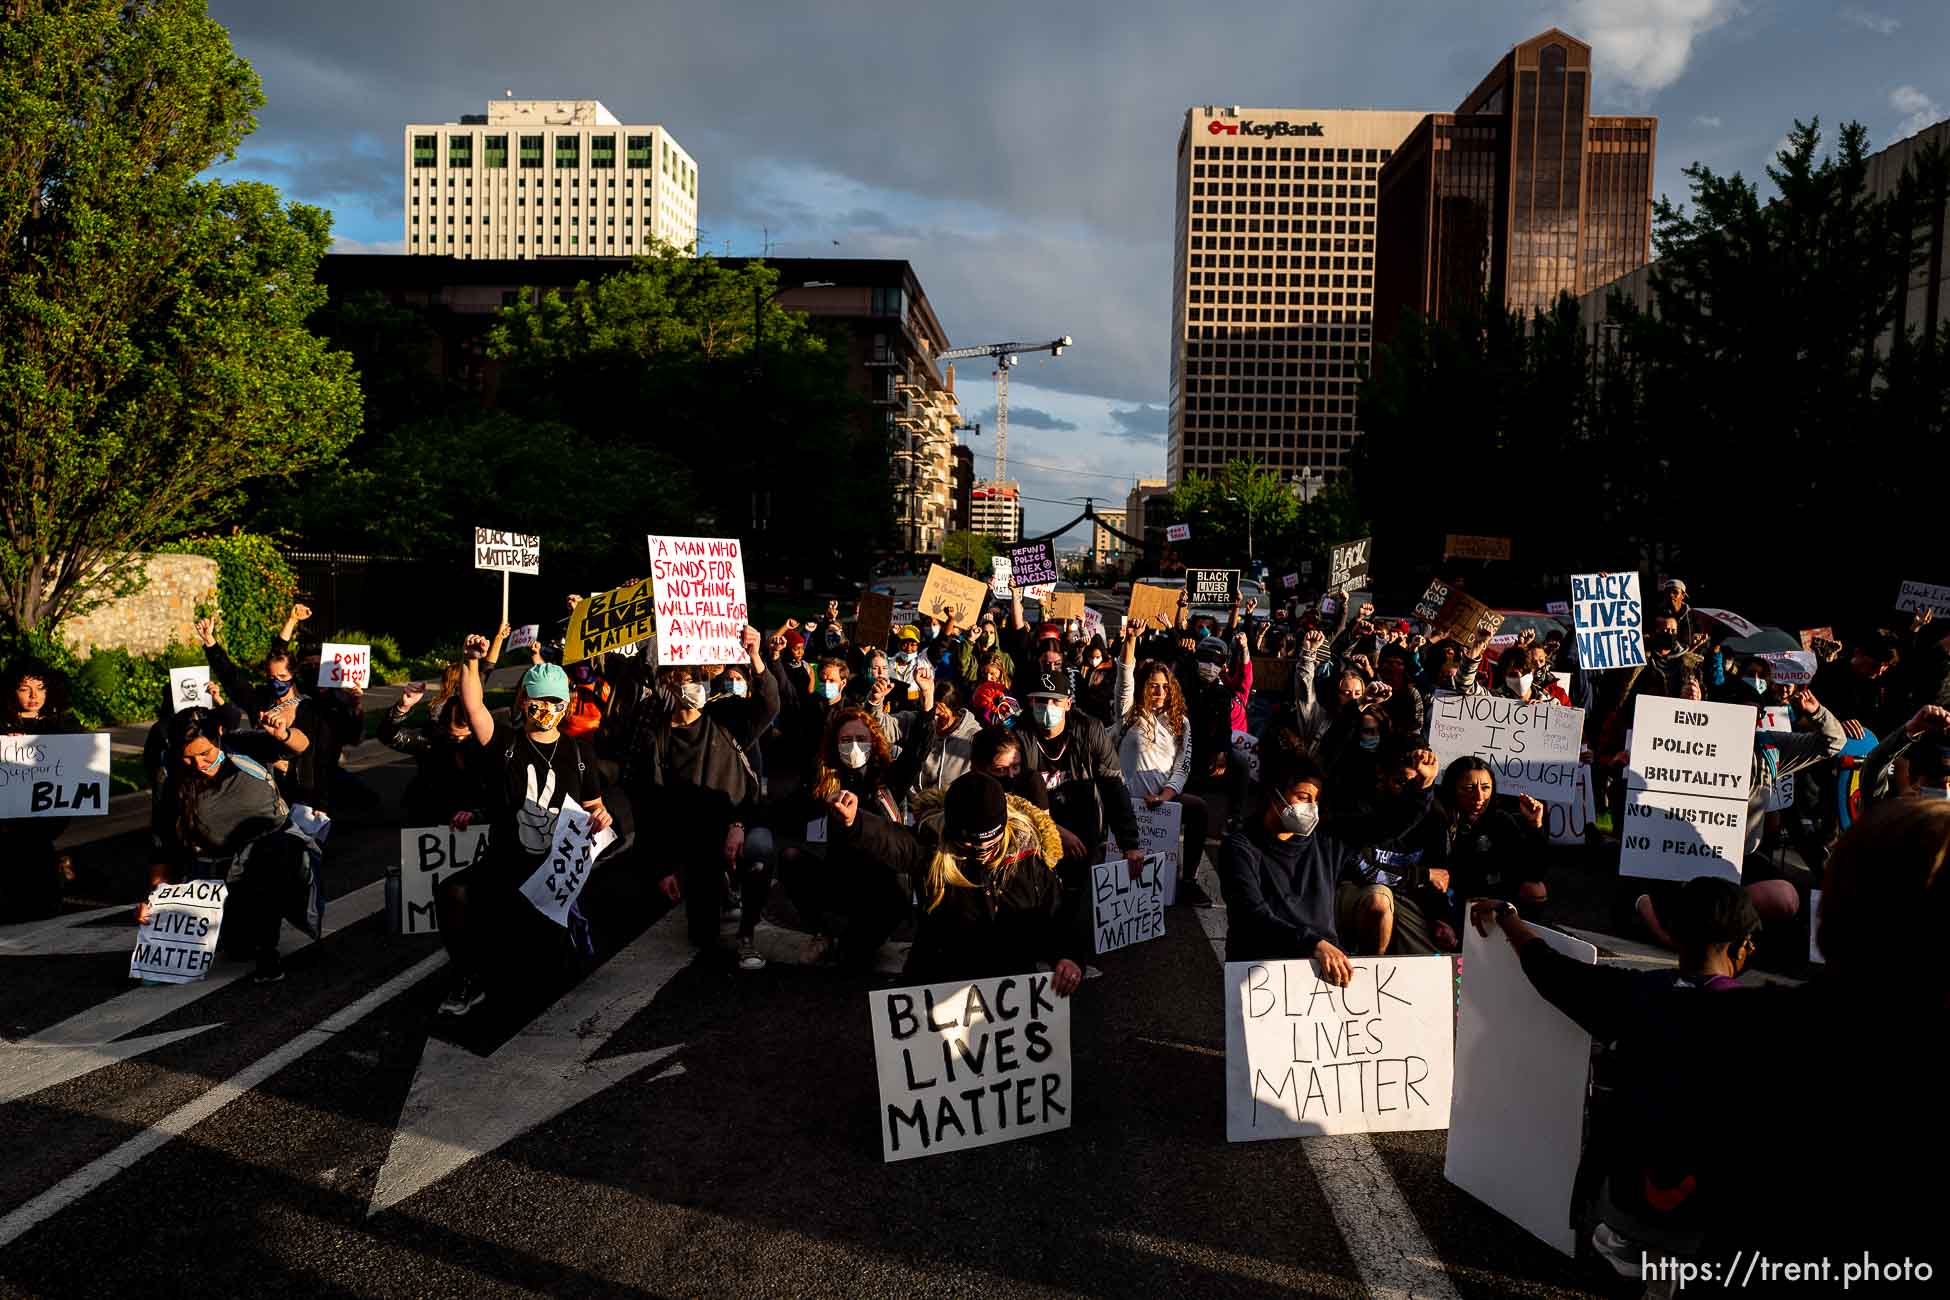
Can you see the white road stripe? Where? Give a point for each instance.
(1382, 1235)
(99, 1172)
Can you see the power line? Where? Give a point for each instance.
(1081, 473)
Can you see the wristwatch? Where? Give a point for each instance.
(1506, 909)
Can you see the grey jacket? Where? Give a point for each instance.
(1794, 750)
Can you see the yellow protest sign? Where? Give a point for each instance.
(608, 621)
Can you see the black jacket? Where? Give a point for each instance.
(1280, 893)
(1086, 784)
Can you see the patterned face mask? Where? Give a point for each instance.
(543, 715)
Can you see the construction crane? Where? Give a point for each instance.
(1007, 355)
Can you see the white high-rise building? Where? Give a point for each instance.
(546, 178)
(995, 510)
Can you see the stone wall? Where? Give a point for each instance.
(162, 612)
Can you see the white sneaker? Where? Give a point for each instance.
(463, 998)
(748, 958)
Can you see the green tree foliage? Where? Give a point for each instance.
(1285, 530)
(968, 553)
(255, 590)
(153, 351)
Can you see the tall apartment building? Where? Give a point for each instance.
(1107, 549)
(546, 178)
(995, 510)
(1136, 521)
(1519, 195)
(1273, 283)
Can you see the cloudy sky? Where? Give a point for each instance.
(1020, 154)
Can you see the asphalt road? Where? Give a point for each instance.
(645, 1124)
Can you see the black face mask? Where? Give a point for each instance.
(1664, 641)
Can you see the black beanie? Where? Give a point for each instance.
(976, 809)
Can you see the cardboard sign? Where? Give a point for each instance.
(1532, 747)
(427, 855)
(1126, 911)
(1609, 616)
(507, 552)
(1246, 746)
(1516, 1129)
(873, 619)
(1178, 532)
(1062, 606)
(1687, 782)
(1347, 565)
(999, 577)
(1149, 604)
(1915, 596)
(340, 666)
(1808, 636)
(1567, 821)
(1558, 608)
(1160, 832)
(1463, 547)
(608, 621)
(557, 883)
(522, 637)
(1453, 615)
(699, 586)
(54, 776)
(1218, 587)
(1272, 674)
(1793, 667)
(947, 589)
(1729, 620)
(179, 940)
(1307, 1059)
(970, 1064)
(1290, 581)
(1033, 563)
(189, 688)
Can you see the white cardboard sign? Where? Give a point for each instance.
(189, 688)
(1533, 747)
(1307, 1059)
(1126, 911)
(1160, 831)
(1246, 745)
(1793, 667)
(1178, 532)
(1516, 1129)
(1609, 617)
(179, 941)
(1774, 717)
(54, 776)
(524, 636)
(1687, 782)
(344, 665)
(970, 1064)
(1566, 821)
(1916, 596)
(999, 575)
(698, 588)
(506, 552)
(427, 855)
(1729, 620)
(554, 887)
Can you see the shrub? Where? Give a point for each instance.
(255, 588)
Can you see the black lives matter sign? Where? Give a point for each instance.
(1347, 565)
(1212, 586)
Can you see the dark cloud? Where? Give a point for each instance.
(1142, 423)
(1028, 417)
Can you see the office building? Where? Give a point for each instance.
(995, 510)
(534, 178)
(1273, 283)
(1136, 522)
(1108, 551)
(1518, 196)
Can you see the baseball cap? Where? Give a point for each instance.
(1673, 584)
(545, 682)
(908, 633)
(1047, 685)
(1212, 651)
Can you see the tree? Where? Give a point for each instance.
(153, 352)
(970, 553)
(1244, 508)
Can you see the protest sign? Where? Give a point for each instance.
(999, 576)
(179, 940)
(1454, 615)
(54, 776)
(559, 880)
(1033, 563)
(1149, 604)
(1347, 565)
(507, 552)
(1533, 747)
(1160, 831)
(1459, 546)
(1516, 1128)
(1062, 606)
(1792, 667)
(1774, 717)
(1246, 746)
(1307, 1059)
(1218, 587)
(1780, 795)
(946, 589)
(1568, 820)
(1290, 581)
(1687, 780)
(970, 1064)
(340, 666)
(1307, 567)
(1729, 620)
(1558, 608)
(1808, 636)
(189, 688)
(1610, 620)
(428, 854)
(1126, 911)
(873, 619)
(608, 621)
(1093, 624)
(699, 586)
(1272, 674)
(522, 637)
(1915, 596)
(1178, 532)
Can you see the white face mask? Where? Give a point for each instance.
(1932, 792)
(1520, 685)
(691, 694)
(853, 753)
(736, 686)
(1300, 818)
(1208, 672)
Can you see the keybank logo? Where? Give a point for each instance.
(1266, 129)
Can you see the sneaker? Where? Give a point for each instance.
(270, 970)
(748, 958)
(463, 998)
(1192, 894)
